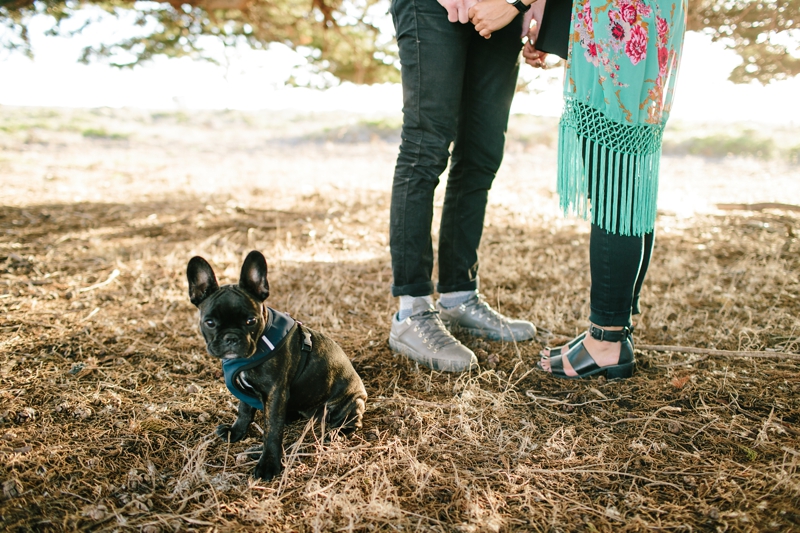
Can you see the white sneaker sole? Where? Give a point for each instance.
(505, 336)
(441, 365)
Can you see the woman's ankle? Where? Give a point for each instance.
(608, 328)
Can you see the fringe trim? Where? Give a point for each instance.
(618, 162)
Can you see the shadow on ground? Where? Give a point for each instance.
(109, 401)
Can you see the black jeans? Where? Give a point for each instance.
(457, 88)
(618, 264)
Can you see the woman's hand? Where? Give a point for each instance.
(458, 10)
(491, 15)
(533, 57)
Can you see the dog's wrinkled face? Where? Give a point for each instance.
(232, 316)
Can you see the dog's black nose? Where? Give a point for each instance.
(230, 339)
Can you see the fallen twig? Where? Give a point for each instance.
(758, 207)
(653, 416)
(683, 363)
(791, 451)
(563, 471)
(344, 450)
(722, 353)
(413, 401)
(90, 315)
(535, 398)
(336, 481)
(111, 277)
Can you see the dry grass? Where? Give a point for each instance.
(109, 401)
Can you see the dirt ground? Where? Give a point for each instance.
(109, 401)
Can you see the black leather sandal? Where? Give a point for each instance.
(557, 351)
(583, 364)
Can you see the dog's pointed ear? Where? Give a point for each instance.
(254, 276)
(202, 281)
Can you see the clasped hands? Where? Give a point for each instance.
(487, 16)
(491, 15)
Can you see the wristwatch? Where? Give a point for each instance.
(519, 5)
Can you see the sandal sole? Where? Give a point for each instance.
(611, 372)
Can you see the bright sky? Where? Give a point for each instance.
(255, 80)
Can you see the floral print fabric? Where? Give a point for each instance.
(620, 76)
(630, 48)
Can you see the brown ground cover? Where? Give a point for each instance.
(108, 401)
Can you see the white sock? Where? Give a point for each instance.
(449, 300)
(407, 305)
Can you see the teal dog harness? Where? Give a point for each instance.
(275, 335)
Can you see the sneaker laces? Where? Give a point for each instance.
(482, 307)
(432, 328)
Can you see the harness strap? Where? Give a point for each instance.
(305, 349)
(279, 329)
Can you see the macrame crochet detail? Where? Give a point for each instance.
(607, 171)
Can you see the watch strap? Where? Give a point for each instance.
(522, 8)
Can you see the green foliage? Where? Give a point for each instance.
(764, 33)
(177, 116)
(729, 141)
(100, 133)
(747, 144)
(749, 453)
(382, 129)
(13, 127)
(340, 37)
(793, 155)
(343, 37)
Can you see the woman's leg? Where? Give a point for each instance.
(616, 263)
(647, 253)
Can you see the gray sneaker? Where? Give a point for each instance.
(476, 318)
(423, 338)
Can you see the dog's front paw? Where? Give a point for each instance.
(266, 469)
(231, 433)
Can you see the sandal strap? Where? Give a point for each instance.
(581, 360)
(557, 365)
(609, 335)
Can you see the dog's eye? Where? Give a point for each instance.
(251, 321)
(210, 323)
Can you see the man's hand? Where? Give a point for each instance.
(491, 15)
(458, 10)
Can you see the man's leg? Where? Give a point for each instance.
(432, 59)
(489, 84)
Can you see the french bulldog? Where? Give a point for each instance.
(271, 362)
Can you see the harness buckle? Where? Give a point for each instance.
(307, 344)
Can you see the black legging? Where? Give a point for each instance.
(618, 263)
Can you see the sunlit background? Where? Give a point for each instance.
(257, 80)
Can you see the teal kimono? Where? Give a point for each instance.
(620, 77)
